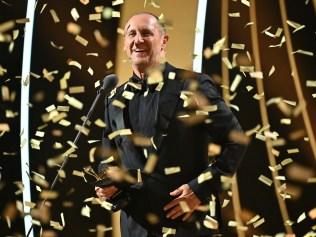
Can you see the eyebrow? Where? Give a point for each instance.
(129, 25)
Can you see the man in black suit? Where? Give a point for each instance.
(170, 116)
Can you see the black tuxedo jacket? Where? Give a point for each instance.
(177, 144)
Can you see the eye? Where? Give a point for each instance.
(131, 33)
(146, 33)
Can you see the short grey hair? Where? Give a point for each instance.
(161, 24)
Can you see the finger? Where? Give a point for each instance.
(108, 193)
(171, 204)
(174, 212)
(176, 192)
(187, 216)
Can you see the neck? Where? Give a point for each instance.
(142, 70)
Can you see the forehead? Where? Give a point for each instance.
(141, 21)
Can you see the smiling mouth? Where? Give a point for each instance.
(139, 50)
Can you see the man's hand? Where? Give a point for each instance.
(106, 192)
(184, 203)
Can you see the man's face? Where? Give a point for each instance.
(144, 43)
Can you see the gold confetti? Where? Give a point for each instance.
(100, 123)
(50, 108)
(258, 75)
(128, 95)
(305, 52)
(102, 41)
(85, 211)
(48, 194)
(82, 129)
(22, 20)
(99, 9)
(118, 104)
(204, 177)
(258, 96)
(109, 64)
(49, 75)
(168, 231)
(2, 71)
(245, 2)
(235, 82)
(265, 180)
(56, 225)
(258, 223)
(232, 223)
(289, 102)
(150, 163)
(159, 86)
(294, 150)
(278, 45)
(121, 132)
(81, 40)
(74, 63)
(286, 121)
(74, 13)
(172, 170)
(29, 204)
(64, 123)
(248, 24)
(92, 54)
(40, 134)
(95, 17)
(275, 168)
(238, 46)
(5, 93)
(74, 102)
(43, 8)
(73, 28)
(310, 83)
(116, 14)
(8, 25)
(227, 62)
(56, 46)
(301, 217)
(246, 68)
(311, 180)
(76, 89)
(234, 14)
(218, 46)
(225, 203)
(286, 161)
(63, 108)
(117, 2)
(54, 15)
(249, 88)
(295, 25)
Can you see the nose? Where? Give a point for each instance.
(139, 38)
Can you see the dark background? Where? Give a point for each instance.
(256, 198)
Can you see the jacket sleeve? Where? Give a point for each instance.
(222, 123)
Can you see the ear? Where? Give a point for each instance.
(165, 39)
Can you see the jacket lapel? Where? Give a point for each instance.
(168, 100)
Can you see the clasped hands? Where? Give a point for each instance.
(184, 203)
